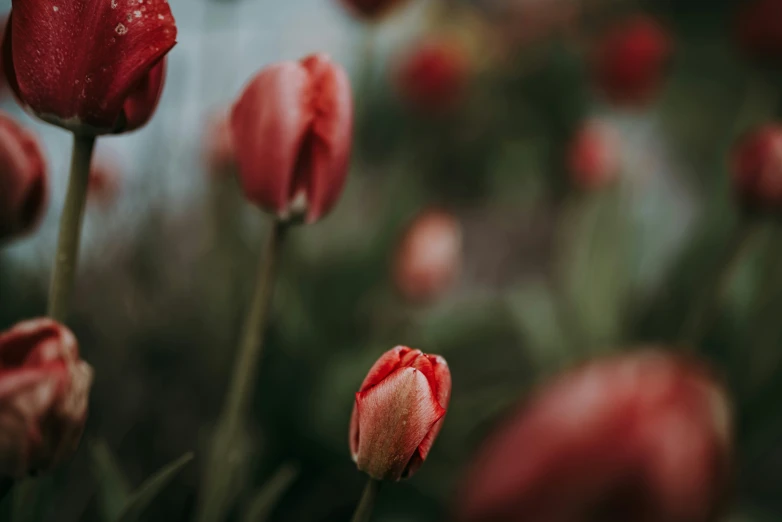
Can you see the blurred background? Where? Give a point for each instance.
(562, 252)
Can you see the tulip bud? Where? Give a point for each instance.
(90, 66)
(292, 129)
(433, 75)
(24, 183)
(44, 391)
(398, 413)
(429, 256)
(630, 61)
(372, 9)
(593, 157)
(756, 166)
(759, 30)
(218, 145)
(638, 437)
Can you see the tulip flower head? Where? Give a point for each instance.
(44, 391)
(756, 167)
(292, 130)
(398, 413)
(371, 10)
(630, 61)
(759, 30)
(643, 437)
(593, 158)
(90, 66)
(24, 183)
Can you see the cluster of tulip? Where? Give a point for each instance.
(645, 436)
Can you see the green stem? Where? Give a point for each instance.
(64, 273)
(367, 503)
(225, 455)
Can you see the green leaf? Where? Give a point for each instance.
(269, 494)
(114, 487)
(151, 488)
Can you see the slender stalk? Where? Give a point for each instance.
(225, 454)
(64, 273)
(367, 503)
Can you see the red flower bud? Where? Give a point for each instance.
(24, 184)
(218, 145)
(433, 76)
(630, 61)
(371, 9)
(642, 437)
(757, 169)
(398, 413)
(429, 256)
(105, 182)
(90, 66)
(44, 391)
(292, 129)
(593, 158)
(759, 31)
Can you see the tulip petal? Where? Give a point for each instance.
(76, 61)
(387, 364)
(441, 380)
(143, 98)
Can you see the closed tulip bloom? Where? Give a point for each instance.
(759, 30)
(756, 168)
(643, 437)
(428, 258)
(398, 413)
(23, 180)
(90, 66)
(433, 75)
(292, 131)
(371, 9)
(593, 157)
(44, 391)
(630, 61)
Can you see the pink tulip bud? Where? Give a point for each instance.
(371, 9)
(24, 183)
(757, 169)
(44, 391)
(218, 145)
(759, 30)
(630, 61)
(398, 413)
(594, 156)
(429, 256)
(639, 437)
(292, 129)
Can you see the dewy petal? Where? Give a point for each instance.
(331, 134)
(268, 124)
(394, 417)
(76, 61)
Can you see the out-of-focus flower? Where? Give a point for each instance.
(759, 30)
(630, 60)
(105, 182)
(90, 66)
(643, 437)
(218, 145)
(428, 258)
(24, 185)
(293, 131)
(756, 166)
(433, 75)
(44, 391)
(398, 413)
(372, 10)
(594, 155)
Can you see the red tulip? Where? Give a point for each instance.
(593, 158)
(757, 169)
(433, 76)
(218, 145)
(292, 129)
(630, 61)
(371, 9)
(398, 413)
(90, 66)
(759, 30)
(44, 390)
(24, 184)
(642, 437)
(105, 182)
(428, 258)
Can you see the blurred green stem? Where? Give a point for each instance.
(71, 220)
(367, 503)
(225, 455)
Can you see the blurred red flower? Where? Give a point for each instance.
(428, 258)
(105, 182)
(293, 130)
(433, 76)
(756, 166)
(643, 437)
(630, 60)
(44, 391)
(759, 29)
(594, 155)
(399, 412)
(90, 66)
(371, 9)
(24, 185)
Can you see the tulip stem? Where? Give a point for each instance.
(64, 273)
(367, 503)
